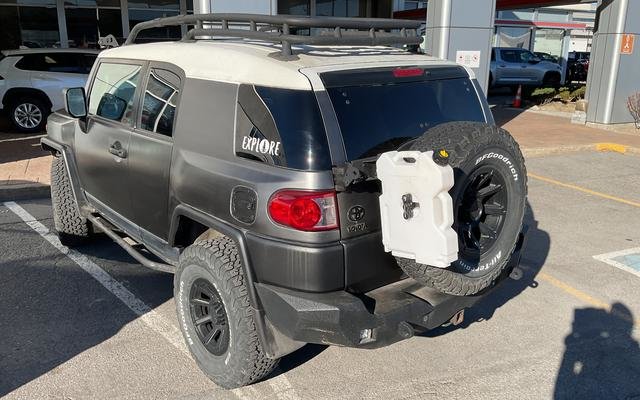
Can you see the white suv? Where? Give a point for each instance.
(31, 82)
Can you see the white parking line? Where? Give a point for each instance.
(280, 384)
(609, 259)
(17, 139)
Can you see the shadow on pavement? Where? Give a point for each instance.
(533, 258)
(52, 311)
(601, 358)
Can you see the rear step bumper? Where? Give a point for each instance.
(370, 320)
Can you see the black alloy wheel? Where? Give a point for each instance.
(209, 317)
(480, 210)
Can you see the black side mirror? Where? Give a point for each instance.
(534, 60)
(75, 102)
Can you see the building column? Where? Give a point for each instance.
(462, 25)
(613, 70)
(62, 24)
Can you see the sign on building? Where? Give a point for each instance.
(627, 44)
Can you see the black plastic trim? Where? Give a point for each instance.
(297, 266)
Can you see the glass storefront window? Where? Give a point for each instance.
(549, 41)
(513, 37)
(155, 4)
(39, 26)
(294, 7)
(9, 28)
(340, 8)
(86, 25)
(148, 35)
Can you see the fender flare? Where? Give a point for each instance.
(70, 164)
(266, 336)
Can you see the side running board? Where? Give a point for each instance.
(97, 222)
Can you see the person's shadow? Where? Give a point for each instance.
(601, 359)
(534, 255)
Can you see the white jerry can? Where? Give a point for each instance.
(416, 208)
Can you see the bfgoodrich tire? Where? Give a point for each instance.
(72, 228)
(215, 316)
(489, 197)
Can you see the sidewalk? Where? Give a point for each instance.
(24, 167)
(541, 134)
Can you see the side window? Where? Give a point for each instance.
(112, 92)
(525, 56)
(509, 56)
(88, 61)
(52, 62)
(31, 62)
(160, 101)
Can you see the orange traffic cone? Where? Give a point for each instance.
(517, 102)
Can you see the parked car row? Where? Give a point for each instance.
(515, 66)
(511, 66)
(31, 82)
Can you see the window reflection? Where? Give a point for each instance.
(160, 101)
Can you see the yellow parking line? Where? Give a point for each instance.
(580, 295)
(618, 148)
(584, 190)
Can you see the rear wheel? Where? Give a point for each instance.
(489, 198)
(215, 315)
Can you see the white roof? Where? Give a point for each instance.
(259, 63)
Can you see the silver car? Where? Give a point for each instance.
(515, 66)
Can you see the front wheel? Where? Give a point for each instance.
(215, 315)
(489, 197)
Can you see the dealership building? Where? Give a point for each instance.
(451, 27)
(79, 23)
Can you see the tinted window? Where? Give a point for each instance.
(281, 127)
(376, 118)
(516, 55)
(112, 92)
(89, 60)
(160, 101)
(52, 62)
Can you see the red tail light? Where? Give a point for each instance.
(407, 72)
(304, 210)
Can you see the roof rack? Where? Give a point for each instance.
(278, 28)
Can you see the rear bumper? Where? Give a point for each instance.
(369, 320)
(375, 319)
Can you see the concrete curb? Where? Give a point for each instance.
(24, 191)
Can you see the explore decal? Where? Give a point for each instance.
(262, 146)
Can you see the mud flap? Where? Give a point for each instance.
(416, 208)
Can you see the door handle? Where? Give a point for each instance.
(523, 66)
(503, 65)
(117, 150)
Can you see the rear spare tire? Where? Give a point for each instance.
(489, 197)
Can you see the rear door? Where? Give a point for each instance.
(102, 149)
(151, 147)
(515, 67)
(381, 110)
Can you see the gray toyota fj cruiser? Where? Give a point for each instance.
(265, 168)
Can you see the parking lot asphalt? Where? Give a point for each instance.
(567, 329)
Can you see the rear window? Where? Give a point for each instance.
(281, 127)
(53, 62)
(381, 116)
